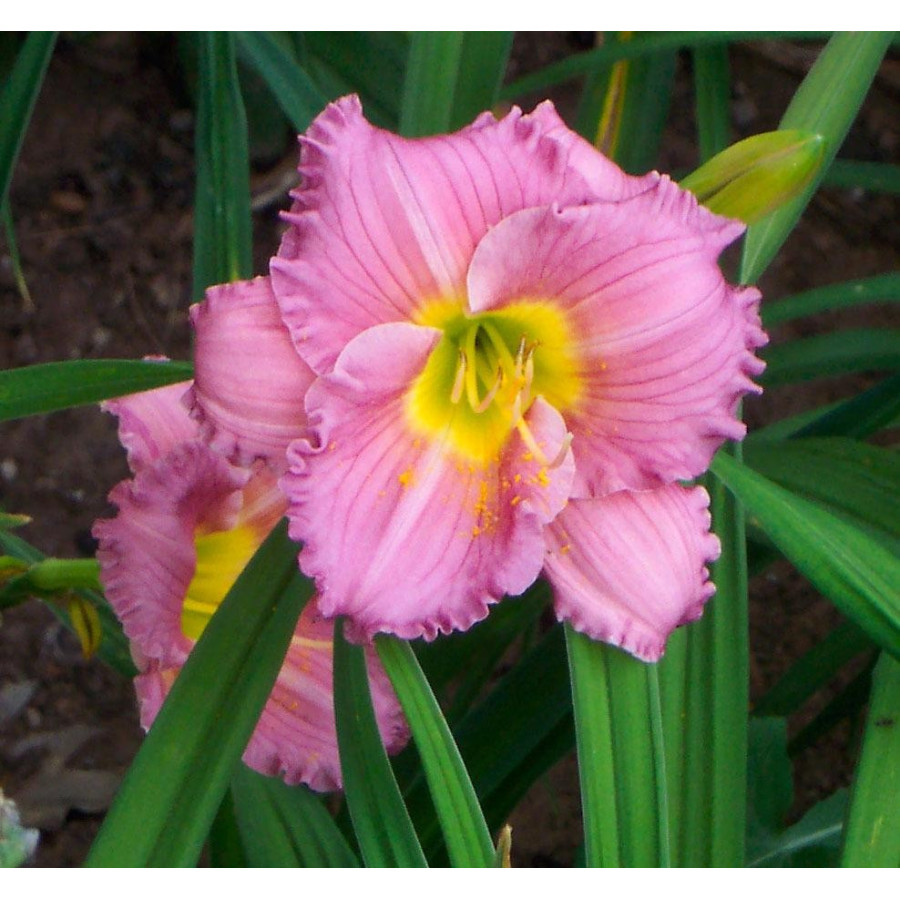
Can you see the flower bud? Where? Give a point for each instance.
(753, 177)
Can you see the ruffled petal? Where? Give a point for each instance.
(604, 180)
(401, 534)
(630, 567)
(147, 553)
(383, 224)
(249, 380)
(152, 423)
(664, 345)
(295, 738)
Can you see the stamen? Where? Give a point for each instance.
(520, 353)
(537, 452)
(505, 357)
(563, 450)
(530, 442)
(471, 367)
(489, 397)
(459, 382)
(528, 375)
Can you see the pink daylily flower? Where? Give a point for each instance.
(248, 380)
(188, 522)
(520, 352)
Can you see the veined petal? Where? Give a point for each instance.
(249, 380)
(147, 553)
(604, 179)
(152, 423)
(630, 567)
(401, 533)
(296, 737)
(664, 345)
(187, 524)
(382, 225)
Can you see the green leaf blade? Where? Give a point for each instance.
(832, 354)
(222, 219)
(283, 826)
(380, 819)
(621, 758)
(465, 831)
(297, 95)
(49, 387)
(826, 103)
(854, 570)
(873, 824)
(847, 294)
(430, 84)
(483, 60)
(17, 101)
(171, 793)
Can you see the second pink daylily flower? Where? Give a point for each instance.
(188, 521)
(520, 352)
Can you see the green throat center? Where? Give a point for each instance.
(485, 373)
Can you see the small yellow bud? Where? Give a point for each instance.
(504, 846)
(85, 624)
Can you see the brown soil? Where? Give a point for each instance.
(102, 205)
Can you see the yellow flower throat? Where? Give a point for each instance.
(485, 372)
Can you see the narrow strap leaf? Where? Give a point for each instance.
(282, 826)
(18, 98)
(577, 64)
(222, 221)
(854, 570)
(862, 415)
(482, 646)
(827, 355)
(703, 681)
(430, 85)
(712, 88)
(382, 824)
(846, 294)
(872, 835)
(819, 830)
(224, 844)
(172, 791)
(870, 176)
(369, 63)
(847, 476)
(482, 65)
(49, 387)
(465, 831)
(510, 739)
(825, 103)
(297, 95)
(621, 760)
